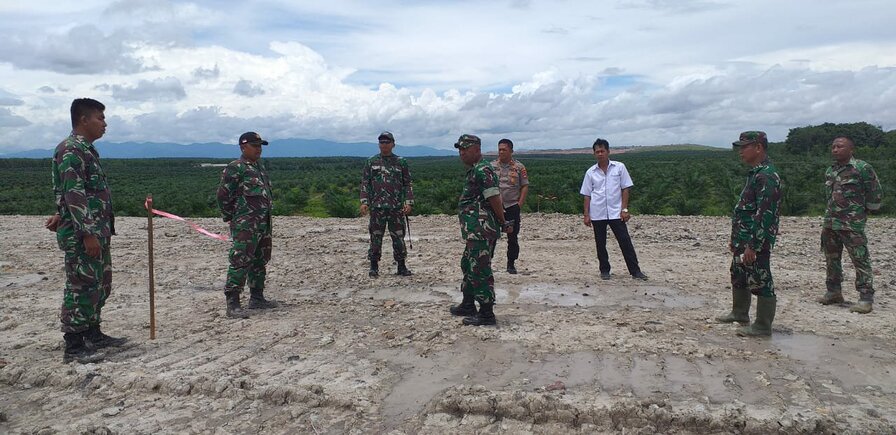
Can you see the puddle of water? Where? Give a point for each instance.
(23, 280)
(645, 296)
(853, 362)
(803, 347)
(507, 365)
(422, 378)
(850, 366)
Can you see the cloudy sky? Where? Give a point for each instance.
(548, 74)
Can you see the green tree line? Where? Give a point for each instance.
(685, 182)
(815, 139)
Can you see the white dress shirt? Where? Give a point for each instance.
(605, 190)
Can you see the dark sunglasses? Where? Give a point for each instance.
(385, 141)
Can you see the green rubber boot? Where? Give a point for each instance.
(740, 307)
(765, 315)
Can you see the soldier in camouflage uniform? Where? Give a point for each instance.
(514, 187)
(84, 226)
(481, 218)
(754, 227)
(853, 191)
(244, 197)
(387, 194)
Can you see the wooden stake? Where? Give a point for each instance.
(152, 279)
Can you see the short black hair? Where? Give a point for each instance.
(600, 143)
(506, 141)
(847, 138)
(83, 107)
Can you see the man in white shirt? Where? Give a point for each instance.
(606, 191)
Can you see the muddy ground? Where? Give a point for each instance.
(349, 354)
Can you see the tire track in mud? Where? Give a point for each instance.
(564, 413)
(664, 410)
(117, 378)
(351, 354)
(774, 394)
(164, 370)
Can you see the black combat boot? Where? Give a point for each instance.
(96, 337)
(374, 269)
(234, 310)
(485, 317)
(511, 269)
(76, 349)
(258, 302)
(467, 307)
(403, 270)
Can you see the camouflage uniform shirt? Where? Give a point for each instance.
(244, 195)
(755, 220)
(386, 182)
(83, 198)
(477, 219)
(852, 190)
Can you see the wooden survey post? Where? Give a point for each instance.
(152, 279)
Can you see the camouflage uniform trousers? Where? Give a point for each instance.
(88, 283)
(380, 219)
(250, 253)
(756, 277)
(476, 264)
(832, 243)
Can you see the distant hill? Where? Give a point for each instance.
(277, 148)
(619, 150)
(310, 148)
(675, 147)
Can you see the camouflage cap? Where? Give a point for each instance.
(751, 137)
(251, 137)
(466, 141)
(386, 135)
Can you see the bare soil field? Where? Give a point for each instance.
(345, 353)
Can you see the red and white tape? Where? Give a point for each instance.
(148, 205)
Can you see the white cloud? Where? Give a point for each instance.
(637, 72)
(673, 6)
(247, 89)
(161, 89)
(8, 119)
(201, 73)
(7, 99)
(66, 52)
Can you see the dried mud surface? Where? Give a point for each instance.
(348, 354)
